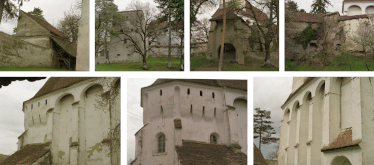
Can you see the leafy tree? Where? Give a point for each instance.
(199, 7)
(69, 24)
(262, 128)
(171, 10)
(9, 10)
(292, 6)
(107, 19)
(37, 12)
(320, 6)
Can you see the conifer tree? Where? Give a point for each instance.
(262, 128)
(320, 6)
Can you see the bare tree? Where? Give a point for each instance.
(200, 32)
(69, 23)
(273, 155)
(364, 36)
(268, 28)
(199, 7)
(140, 29)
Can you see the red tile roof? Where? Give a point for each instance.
(201, 153)
(345, 17)
(27, 155)
(218, 15)
(46, 25)
(308, 17)
(5, 81)
(344, 140)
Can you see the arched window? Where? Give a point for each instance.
(213, 139)
(161, 143)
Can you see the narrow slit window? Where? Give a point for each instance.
(203, 110)
(214, 111)
(191, 109)
(201, 93)
(188, 91)
(46, 102)
(32, 106)
(38, 104)
(161, 92)
(213, 95)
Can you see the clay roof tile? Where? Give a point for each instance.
(28, 154)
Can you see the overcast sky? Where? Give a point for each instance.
(53, 10)
(123, 4)
(11, 114)
(306, 5)
(269, 94)
(134, 111)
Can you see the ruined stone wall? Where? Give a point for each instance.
(349, 31)
(17, 53)
(257, 58)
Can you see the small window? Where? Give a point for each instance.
(201, 93)
(118, 55)
(161, 144)
(32, 106)
(213, 139)
(214, 111)
(191, 109)
(213, 95)
(188, 91)
(203, 110)
(38, 104)
(46, 102)
(162, 110)
(160, 92)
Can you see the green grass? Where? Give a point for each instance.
(30, 68)
(338, 63)
(202, 62)
(153, 63)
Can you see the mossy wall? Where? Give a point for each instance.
(17, 53)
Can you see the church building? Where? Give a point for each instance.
(71, 121)
(193, 121)
(328, 121)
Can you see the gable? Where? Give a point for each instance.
(29, 25)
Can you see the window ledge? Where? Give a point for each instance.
(159, 154)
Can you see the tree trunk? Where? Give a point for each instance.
(145, 63)
(267, 56)
(223, 37)
(181, 53)
(2, 4)
(169, 51)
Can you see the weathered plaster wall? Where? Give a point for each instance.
(43, 41)
(83, 49)
(27, 27)
(367, 115)
(357, 7)
(162, 51)
(201, 115)
(75, 123)
(236, 33)
(18, 53)
(122, 52)
(350, 28)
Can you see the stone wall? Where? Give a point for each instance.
(17, 53)
(162, 51)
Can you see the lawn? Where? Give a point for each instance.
(153, 63)
(338, 63)
(30, 68)
(202, 62)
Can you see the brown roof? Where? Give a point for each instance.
(298, 89)
(236, 84)
(344, 140)
(56, 83)
(345, 17)
(258, 158)
(308, 17)
(201, 153)
(69, 47)
(27, 155)
(218, 15)
(46, 25)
